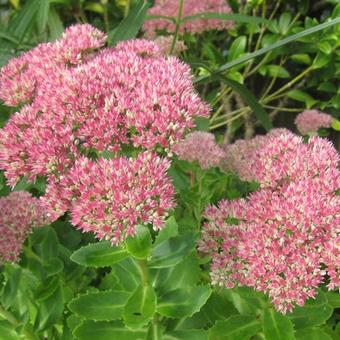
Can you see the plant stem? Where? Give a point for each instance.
(178, 24)
(144, 272)
(127, 8)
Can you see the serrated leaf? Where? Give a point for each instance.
(140, 307)
(277, 326)
(128, 274)
(312, 334)
(99, 254)
(172, 251)
(100, 306)
(130, 26)
(183, 302)
(101, 330)
(236, 327)
(139, 245)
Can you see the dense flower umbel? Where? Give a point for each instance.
(201, 147)
(284, 238)
(165, 44)
(240, 155)
(191, 7)
(80, 101)
(18, 214)
(310, 121)
(128, 95)
(111, 197)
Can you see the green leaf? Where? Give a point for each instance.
(100, 306)
(140, 307)
(250, 99)
(236, 327)
(139, 245)
(7, 331)
(218, 307)
(336, 126)
(55, 25)
(302, 58)
(99, 254)
(313, 313)
(188, 334)
(42, 15)
(271, 47)
(321, 60)
(311, 334)
(24, 20)
(172, 251)
(128, 274)
(237, 47)
(183, 302)
(275, 71)
(277, 326)
(50, 309)
(170, 230)
(101, 330)
(130, 26)
(230, 17)
(284, 22)
(185, 274)
(301, 96)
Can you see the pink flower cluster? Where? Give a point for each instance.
(79, 102)
(191, 7)
(310, 121)
(201, 147)
(284, 238)
(19, 213)
(240, 155)
(109, 197)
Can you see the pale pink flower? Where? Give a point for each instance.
(201, 147)
(165, 44)
(310, 121)
(19, 213)
(191, 7)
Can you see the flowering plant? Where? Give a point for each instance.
(144, 192)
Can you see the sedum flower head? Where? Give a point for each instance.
(284, 238)
(190, 7)
(80, 102)
(19, 213)
(111, 197)
(310, 121)
(201, 147)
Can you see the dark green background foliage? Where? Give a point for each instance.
(156, 285)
